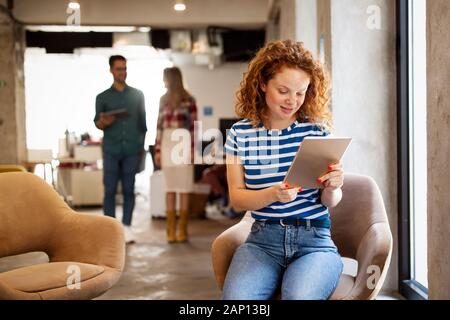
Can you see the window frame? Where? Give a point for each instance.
(408, 287)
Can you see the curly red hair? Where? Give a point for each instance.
(251, 102)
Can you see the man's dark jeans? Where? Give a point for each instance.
(123, 168)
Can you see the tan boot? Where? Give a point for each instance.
(182, 235)
(171, 226)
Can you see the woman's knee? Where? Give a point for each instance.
(252, 275)
(319, 283)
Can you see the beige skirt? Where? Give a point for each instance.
(175, 161)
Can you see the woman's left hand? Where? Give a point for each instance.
(334, 178)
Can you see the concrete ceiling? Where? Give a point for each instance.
(154, 13)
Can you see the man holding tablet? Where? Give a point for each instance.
(120, 113)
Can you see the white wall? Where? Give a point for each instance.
(364, 99)
(214, 88)
(306, 23)
(66, 99)
(287, 19)
(298, 21)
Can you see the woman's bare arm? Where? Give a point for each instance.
(242, 199)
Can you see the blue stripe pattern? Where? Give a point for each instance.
(266, 156)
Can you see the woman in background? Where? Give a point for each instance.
(177, 114)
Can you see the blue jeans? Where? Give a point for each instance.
(303, 262)
(123, 168)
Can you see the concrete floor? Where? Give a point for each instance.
(155, 269)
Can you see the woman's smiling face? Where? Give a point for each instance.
(285, 94)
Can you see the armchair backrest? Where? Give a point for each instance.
(361, 206)
(30, 211)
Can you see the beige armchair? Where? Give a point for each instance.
(360, 230)
(86, 253)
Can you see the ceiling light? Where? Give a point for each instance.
(74, 5)
(143, 29)
(179, 5)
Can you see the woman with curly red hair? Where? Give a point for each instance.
(283, 98)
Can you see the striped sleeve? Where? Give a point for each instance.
(231, 145)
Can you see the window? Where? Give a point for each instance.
(412, 163)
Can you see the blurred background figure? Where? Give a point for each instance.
(120, 113)
(177, 112)
(218, 201)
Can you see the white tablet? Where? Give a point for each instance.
(313, 157)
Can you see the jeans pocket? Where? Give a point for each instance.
(256, 227)
(324, 233)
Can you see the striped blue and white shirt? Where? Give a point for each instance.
(266, 156)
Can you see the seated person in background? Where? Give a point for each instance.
(216, 177)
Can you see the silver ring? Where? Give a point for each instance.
(282, 224)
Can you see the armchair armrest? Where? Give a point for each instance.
(225, 245)
(7, 293)
(90, 239)
(373, 256)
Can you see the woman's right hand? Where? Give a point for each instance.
(283, 193)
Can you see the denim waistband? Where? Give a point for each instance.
(322, 223)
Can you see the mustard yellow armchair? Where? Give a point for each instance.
(11, 168)
(86, 252)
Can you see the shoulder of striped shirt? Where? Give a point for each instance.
(245, 122)
(245, 126)
(238, 126)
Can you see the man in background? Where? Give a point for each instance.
(120, 113)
